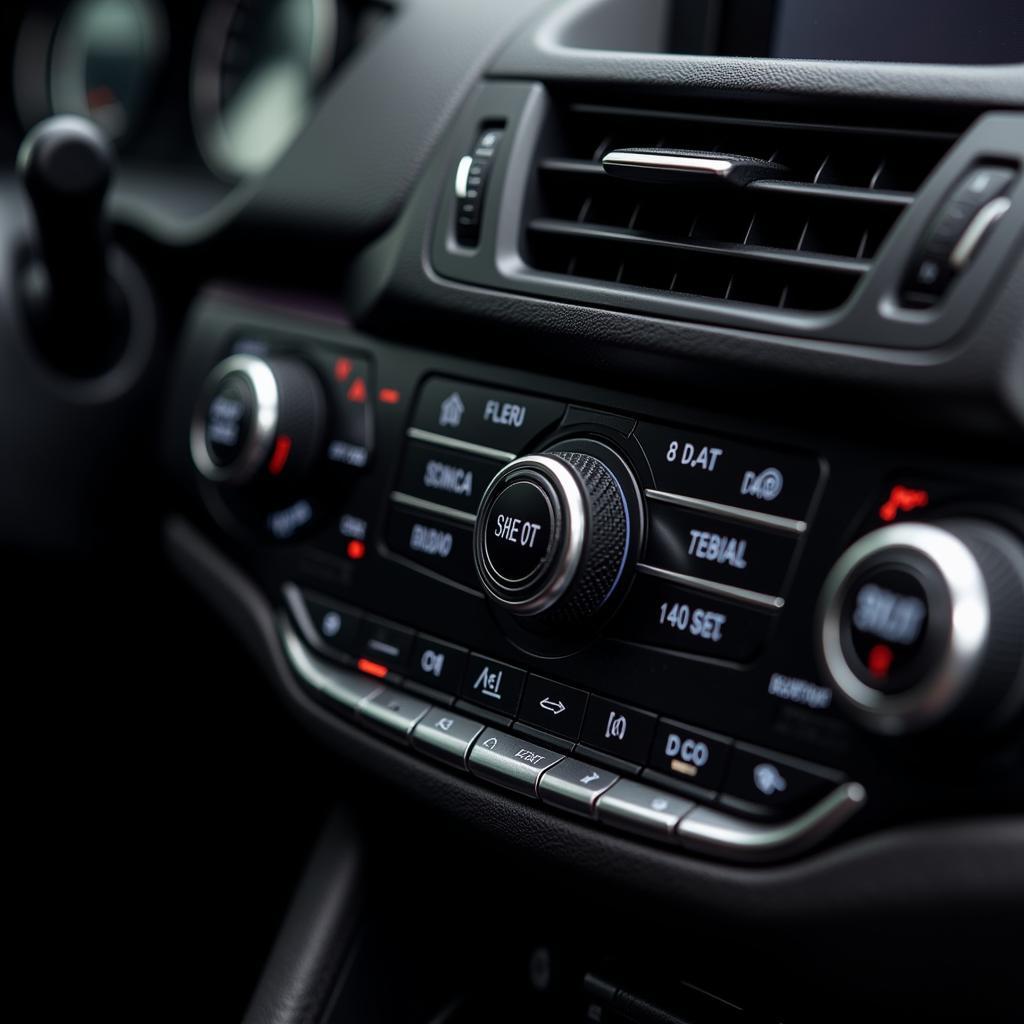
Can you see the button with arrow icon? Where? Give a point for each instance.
(553, 706)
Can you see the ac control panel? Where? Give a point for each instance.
(716, 631)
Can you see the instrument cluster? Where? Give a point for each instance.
(226, 85)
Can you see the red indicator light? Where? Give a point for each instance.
(902, 499)
(100, 96)
(389, 396)
(371, 668)
(282, 449)
(880, 660)
(357, 390)
(355, 550)
(342, 369)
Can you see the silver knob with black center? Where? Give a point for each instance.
(556, 535)
(920, 625)
(258, 420)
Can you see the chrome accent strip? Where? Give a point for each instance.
(717, 167)
(346, 688)
(742, 515)
(718, 834)
(401, 498)
(307, 628)
(970, 624)
(256, 448)
(991, 213)
(769, 601)
(415, 434)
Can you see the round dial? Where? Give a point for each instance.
(258, 421)
(919, 625)
(555, 536)
(258, 65)
(99, 58)
(106, 57)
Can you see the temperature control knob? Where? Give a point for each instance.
(920, 624)
(556, 534)
(258, 420)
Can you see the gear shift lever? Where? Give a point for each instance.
(76, 312)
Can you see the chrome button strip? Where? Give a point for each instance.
(742, 515)
(457, 444)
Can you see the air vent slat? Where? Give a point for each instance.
(809, 190)
(873, 196)
(739, 250)
(798, 243)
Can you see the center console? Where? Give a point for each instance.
(669, 619)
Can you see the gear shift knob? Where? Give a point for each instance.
(66, 164)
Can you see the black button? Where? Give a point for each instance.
(891, 633)
(336, 626)
(689, 755)
(981, 185)
(666, 615)
(437, 664)
(485, 416)
(384, 643)
(351, 433)
(618, 729)
(553, 706)
(446, 477)
(229, 420)
(434, 542)
(761, 782)
(729, 472)
(519, 531)
(493, 684)
(717, 549)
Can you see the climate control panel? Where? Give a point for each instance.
(747, 635)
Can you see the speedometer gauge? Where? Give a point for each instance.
(99, 58)
(257, 68)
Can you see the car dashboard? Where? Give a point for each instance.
(590, 431)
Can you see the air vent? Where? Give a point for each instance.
(800, 242)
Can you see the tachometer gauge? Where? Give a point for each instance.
(257, 67)
(104, 61)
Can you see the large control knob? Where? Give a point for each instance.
(556, 534)
(258, 420)
(921, 623)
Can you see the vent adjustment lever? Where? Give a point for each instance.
(676, 166)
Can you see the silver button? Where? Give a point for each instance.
(392, 711)
(349, 689)
(446, 736)
(510, 761)
(643, 809)
(575, 786)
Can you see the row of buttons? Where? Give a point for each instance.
(461, 435)
(697, 763)
(492, 423)
(564, 782)
(724, 517)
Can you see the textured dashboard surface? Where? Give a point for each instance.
(541, 54)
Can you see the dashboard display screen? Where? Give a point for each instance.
(917, 31)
